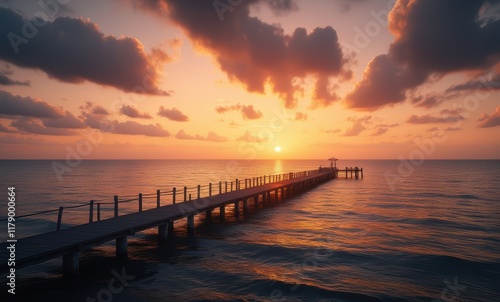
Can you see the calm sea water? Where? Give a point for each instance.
(403, 233)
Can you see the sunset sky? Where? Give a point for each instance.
(174, 79)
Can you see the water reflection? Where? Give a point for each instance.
(278, 167)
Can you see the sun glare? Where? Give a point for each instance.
(277, 149)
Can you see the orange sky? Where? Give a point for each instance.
(201, 68)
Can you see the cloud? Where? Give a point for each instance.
(7, 81)
(80, 52)
(33, 126)
(358, 125)
(211, 136)
(68, 121)
(248, 112)
(429, 119)
(380, 131)
(324, 94)
(130, 111)
(25, 106)
(5, 129)
(92, 108)
(173, 114)
(99, 121)
(299, 116)
(493, 120)
(253, 52)
(384, 82)
(431, 38)
(250, 138)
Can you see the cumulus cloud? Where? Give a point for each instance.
(211, 137)
(15, 105)
(253, 52)
(92, 108)
(31, 125)
(431, 38)
(80, 52)
(430, 119)
(250, 138)
(248, 112)
(101, 122)
(358, 125)
(130, 111)
(490, 120)
(324, 93)
(7, 81)
(68, 121)
(173, 114)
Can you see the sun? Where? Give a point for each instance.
(277, 149)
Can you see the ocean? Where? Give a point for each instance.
(426, 231)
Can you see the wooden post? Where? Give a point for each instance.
(91, 212)
(361, 173)
(237, 209)
(199, 188)
(185, 193)
(231, 186)
(345, 172)
(275, 195)
(210, 189)
(174, 194)
(190, 196)
(245, 206)
(121, 247)
(163, 232)
(170, 228)
(140, 202)
(208, 215)
(225, 186)
(237, 184)
(222, 211)
(59, 218)
(98, 211)
(71, 265)
(220, 187)
(256, 201)
(158, 202)
(190, 223)
(264, 198)
(116, 205)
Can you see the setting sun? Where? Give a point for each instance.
(277, 149)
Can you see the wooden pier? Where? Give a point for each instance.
(68, 243)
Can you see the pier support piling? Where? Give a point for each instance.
(121, 247)
(190, 223)
(163, 233)
(71, 264)
(222, 213)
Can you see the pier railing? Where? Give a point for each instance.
(96, 208)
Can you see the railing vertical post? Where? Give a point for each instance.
(158, 204)
(225, 186)
(140, 202)
(231, 186)
(98, 211)
(198, 192)
(220, 187)
(237, 184)
(174, 193)
(185, 193)
(91, 212)
(210, 189)
(116, 205)
(59, 218)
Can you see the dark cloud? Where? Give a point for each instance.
(253, 52)
(31, 125)
(92, 108)
(101, 122)
(173, 114)
(248, 112)
(25, 106)
(431, 38)
(250, 138)
(490, 120)
(79, 52)
(130, 111)
(430, 119)
(68, 121)
(324, 93)
(384, 82)
(211, 137)
(5, 80)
